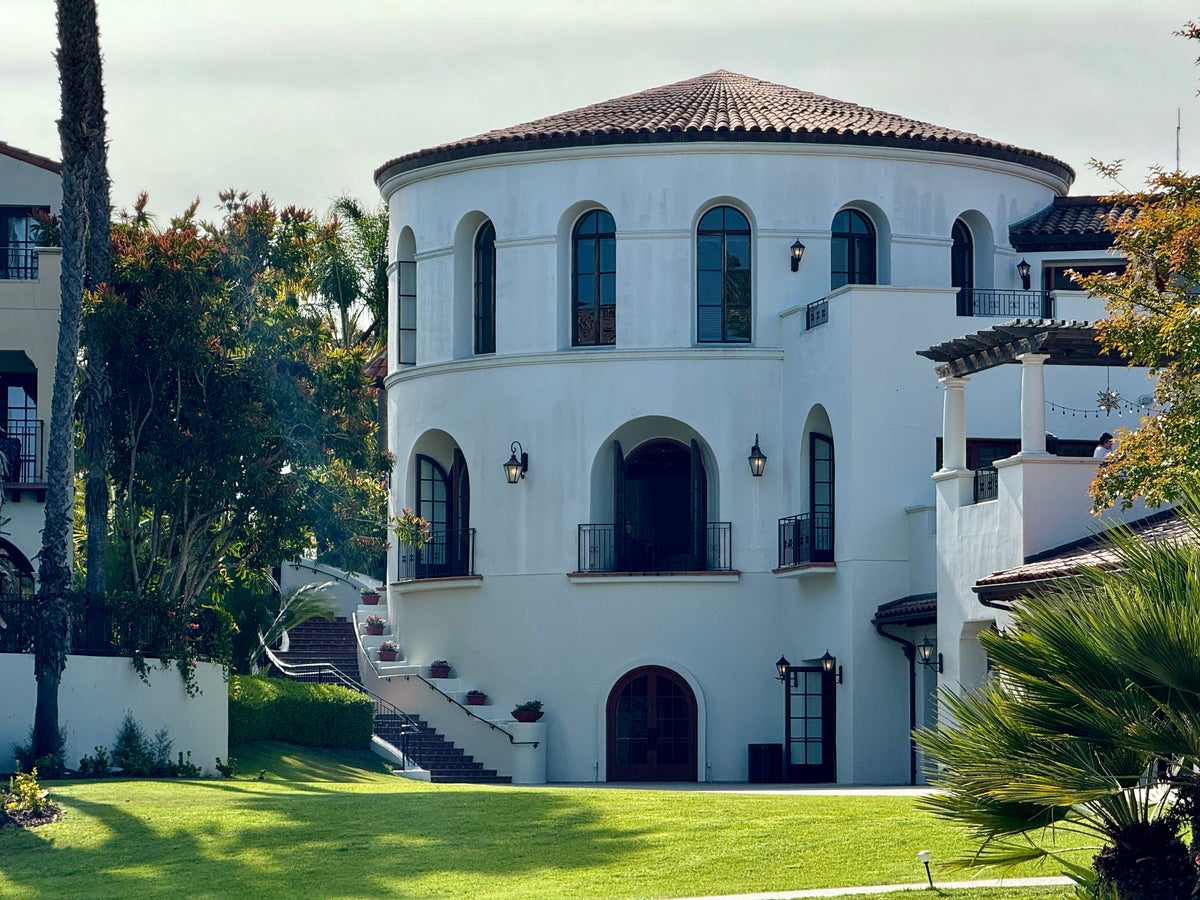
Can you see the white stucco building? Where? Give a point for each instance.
(636, 294)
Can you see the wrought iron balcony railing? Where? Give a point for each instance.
(703, 547)
(1005, 304)
(18, 262)
(986, 485)
(21, 444)
(817, 314)
(447, 554)
(806, 538)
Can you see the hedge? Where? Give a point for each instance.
(314, 715)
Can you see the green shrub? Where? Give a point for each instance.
(52, 765)
(96, 765)
(25, 795)
(131, 751)
(314, 715)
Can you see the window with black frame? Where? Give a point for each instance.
(18, 242)
(723, 286)
(594, 280)
(485, 289)
(852, 250)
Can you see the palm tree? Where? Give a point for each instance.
(80, 127)
(1096, 689)
(353, 274)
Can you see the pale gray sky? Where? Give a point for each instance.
(303, 99)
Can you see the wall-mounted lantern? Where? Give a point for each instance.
(797, 255)
(1023, 269)
(925, 655)
(830, 667)
(757, 459)
(781, 666)
(517, 465)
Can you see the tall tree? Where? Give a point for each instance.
(351, 282)
(80, 126)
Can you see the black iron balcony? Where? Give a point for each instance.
(704, 547)
(21, 444)
(817, 314)
(806, 538)
(18, 262)
(1005, 304)
(986, 487)
(447, 554)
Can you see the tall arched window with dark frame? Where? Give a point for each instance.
(852, 250)
(485, 289)
(594, 280)
(723, 282)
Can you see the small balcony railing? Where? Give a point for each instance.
(447, 554)
(818, 314)
(986, 485)
(806, 538)
(705, 547)
(1006, 304)
(21, 444)
(18, 262)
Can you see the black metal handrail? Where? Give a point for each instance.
(986, 484)
(806, 538)
(21, 444)
(447, 554)
(817, 313)
(656, 547)
(18, 262)
(102, 628)
(1005, 304)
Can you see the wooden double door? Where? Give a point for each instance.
(651, 727)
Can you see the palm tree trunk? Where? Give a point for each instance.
(79, 78)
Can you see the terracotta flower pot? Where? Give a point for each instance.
(387, 655)
(374, 629)
(370, 598)
(439, 671)
(476, 699)
(527, 715)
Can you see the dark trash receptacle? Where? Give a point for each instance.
(765, 764)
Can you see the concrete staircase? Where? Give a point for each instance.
(319, 641)
(446, 763)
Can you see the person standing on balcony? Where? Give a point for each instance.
(1105, 447)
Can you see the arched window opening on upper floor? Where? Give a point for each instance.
(852, 250)
(594, 280)
(723, 283)
(962, 265)
(485, 289)
(406, 294)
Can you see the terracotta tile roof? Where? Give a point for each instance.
(33, 159)
(723, 106)
(376, 366)
(918, 609)
(1075, 223)
(1068, 560)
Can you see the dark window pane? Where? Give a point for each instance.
(608, 290)
(710, 252)
(712, 220)
(585, 256)
(708, 287)
(737, 252)
(735, 221)
(585, 287)
(608, 255)
(709, 323)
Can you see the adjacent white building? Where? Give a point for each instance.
(637, 301)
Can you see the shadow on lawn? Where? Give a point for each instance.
(312, 839)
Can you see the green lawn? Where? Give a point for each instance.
(336, 825)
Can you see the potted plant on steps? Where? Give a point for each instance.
(375, 624)
(529, 711)
(388, 651)
(439, 668)
(370, 596)
(476, 698)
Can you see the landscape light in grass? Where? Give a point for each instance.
(923, 856)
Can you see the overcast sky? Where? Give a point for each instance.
(303, 99)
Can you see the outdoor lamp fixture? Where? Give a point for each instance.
(757, 459)
(830, 667)
(797, 255)
(781, 666)
(1023, 270)
(925, 655)
(517, 465)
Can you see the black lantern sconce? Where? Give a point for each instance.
(797, 255)
(781, 666)
(1023, 270)
(830, 667)
(925, 655)
(757, 459)
(517, 465)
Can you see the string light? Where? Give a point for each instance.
(1120, 407)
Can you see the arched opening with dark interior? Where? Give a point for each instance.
(651, 727)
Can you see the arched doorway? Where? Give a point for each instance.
(660, 502)
(962, 266)
(651, 725)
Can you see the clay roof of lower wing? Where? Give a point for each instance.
(42, 162)
(917, 609)
(724, 106)
(1070, 223)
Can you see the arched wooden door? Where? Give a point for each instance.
(651, 727)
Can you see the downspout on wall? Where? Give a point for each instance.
(910, 653)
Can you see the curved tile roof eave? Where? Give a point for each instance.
(723, 107)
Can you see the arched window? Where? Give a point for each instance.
(962, 265)
(723, 277)
(594, 280)
(444, 500)
(485, 289)
(852, 250)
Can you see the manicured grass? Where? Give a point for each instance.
(301, 823)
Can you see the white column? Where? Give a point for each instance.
(1033, 403)
(954, 423)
